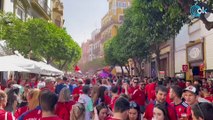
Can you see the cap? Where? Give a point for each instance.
(191, 89)
(47, 80)
(80, 80)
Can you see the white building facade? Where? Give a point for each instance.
(194, 49)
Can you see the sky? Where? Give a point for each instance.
(82, 17)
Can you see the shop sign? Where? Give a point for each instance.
(184, 68)
(161, 74)
(195, 53)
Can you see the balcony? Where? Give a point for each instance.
(42, 8)
(111, 22)
(58, 23)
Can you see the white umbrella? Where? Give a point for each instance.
(21, 62)
(11, 67)
(48, 69)
(30, 65)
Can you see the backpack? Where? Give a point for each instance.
(77, 112)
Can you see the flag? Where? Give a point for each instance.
(77, 69)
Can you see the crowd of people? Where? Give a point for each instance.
(117, 98)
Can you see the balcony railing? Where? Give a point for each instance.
(44, 6)
(58, 23)
(111, 22)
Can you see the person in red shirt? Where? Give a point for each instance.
(151, 90)
(78, 90)
(4, 115)
(34, 114)
(49, 85)
(191, 98)
(103, 96)
(181, 83)
(207, 95)
(134, 86)
(139, 96)
(175, 95)
(120, 109)
(168, 100)
(64, 105)
(48, 100)
(33, 82)
(188, 83)
(10, 79)
(32, 110)
(161, 92)
(134, 111)
(115, 96)
(94, 81)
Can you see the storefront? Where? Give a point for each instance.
(195, 60)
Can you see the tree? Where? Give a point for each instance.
(43, 39)
(160, 23)
(147, 25)
(113, 55)
(5, 20)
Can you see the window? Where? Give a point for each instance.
(121, 18)
(20, 13)
(121, 4)
(124, 5)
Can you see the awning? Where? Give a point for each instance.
(48, 69)
(30, 65)
(11, 67)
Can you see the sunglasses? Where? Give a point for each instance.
(132, 105)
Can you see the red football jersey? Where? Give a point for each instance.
(188, 112)
(20, 111)
(168, 100)
(78, 91)
(107, 99)
(182, 85)
(51, 118)
(180, 108)
(132, 89)
(34, 114)
(151, 91)
(63, 109)
(112, 104)
(6, 115)
(210, 98)
(139, 97)
(149, 111)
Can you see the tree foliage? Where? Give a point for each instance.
(42, 39)
(147, 24)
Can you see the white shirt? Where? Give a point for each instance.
(87, 104)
